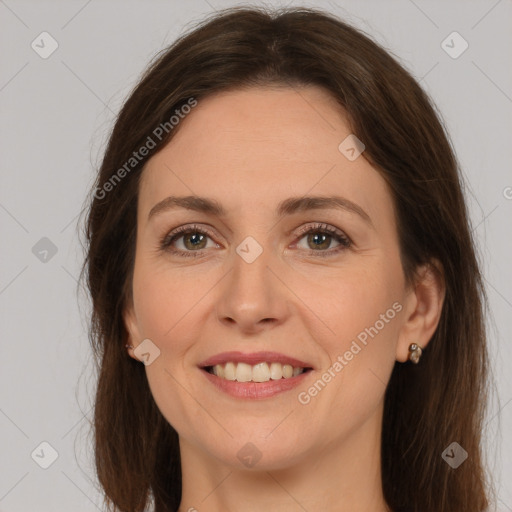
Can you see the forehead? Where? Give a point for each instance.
(258, 146)
(264, 118)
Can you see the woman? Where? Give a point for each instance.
(287, 307)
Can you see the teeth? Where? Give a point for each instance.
(261, 372)
(287, 371)
(276, 371)
(229, 371)
(243, 372)
(220, 371)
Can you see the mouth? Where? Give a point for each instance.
(254, 376)
(260, 372)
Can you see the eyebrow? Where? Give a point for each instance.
(287, 207)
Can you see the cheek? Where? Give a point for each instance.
(168, 305)
(358, 299)
(363, 311)
(165, 297)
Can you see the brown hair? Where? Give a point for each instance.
(427, 406)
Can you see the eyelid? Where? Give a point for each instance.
(320, 226)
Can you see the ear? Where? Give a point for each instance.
(424, 304)
(132, 329)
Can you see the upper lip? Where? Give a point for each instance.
(253, 358)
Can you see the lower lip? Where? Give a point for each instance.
(255, 390)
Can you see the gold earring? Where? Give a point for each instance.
(415, 352)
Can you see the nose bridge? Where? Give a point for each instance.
(252, 295)
(250, 265)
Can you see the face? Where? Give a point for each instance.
(263, 279)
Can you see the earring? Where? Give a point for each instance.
(128, 346)
(415, 352)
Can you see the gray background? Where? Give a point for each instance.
(56, 114)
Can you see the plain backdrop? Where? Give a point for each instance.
(56, 113)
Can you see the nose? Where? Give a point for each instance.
(253, 298)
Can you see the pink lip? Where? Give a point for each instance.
(254, 358)
(254, 390)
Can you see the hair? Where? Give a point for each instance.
(427, 406)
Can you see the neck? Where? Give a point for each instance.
(343, 476)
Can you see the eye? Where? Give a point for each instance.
(319, 238)
(187, 240)
(191, 240)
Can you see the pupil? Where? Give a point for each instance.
(195, 239)
(319, 238)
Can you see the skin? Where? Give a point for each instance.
(250, 149)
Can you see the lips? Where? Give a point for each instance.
(254, 375)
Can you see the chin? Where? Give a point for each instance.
(246, 451)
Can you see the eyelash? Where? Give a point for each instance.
(338, 236)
